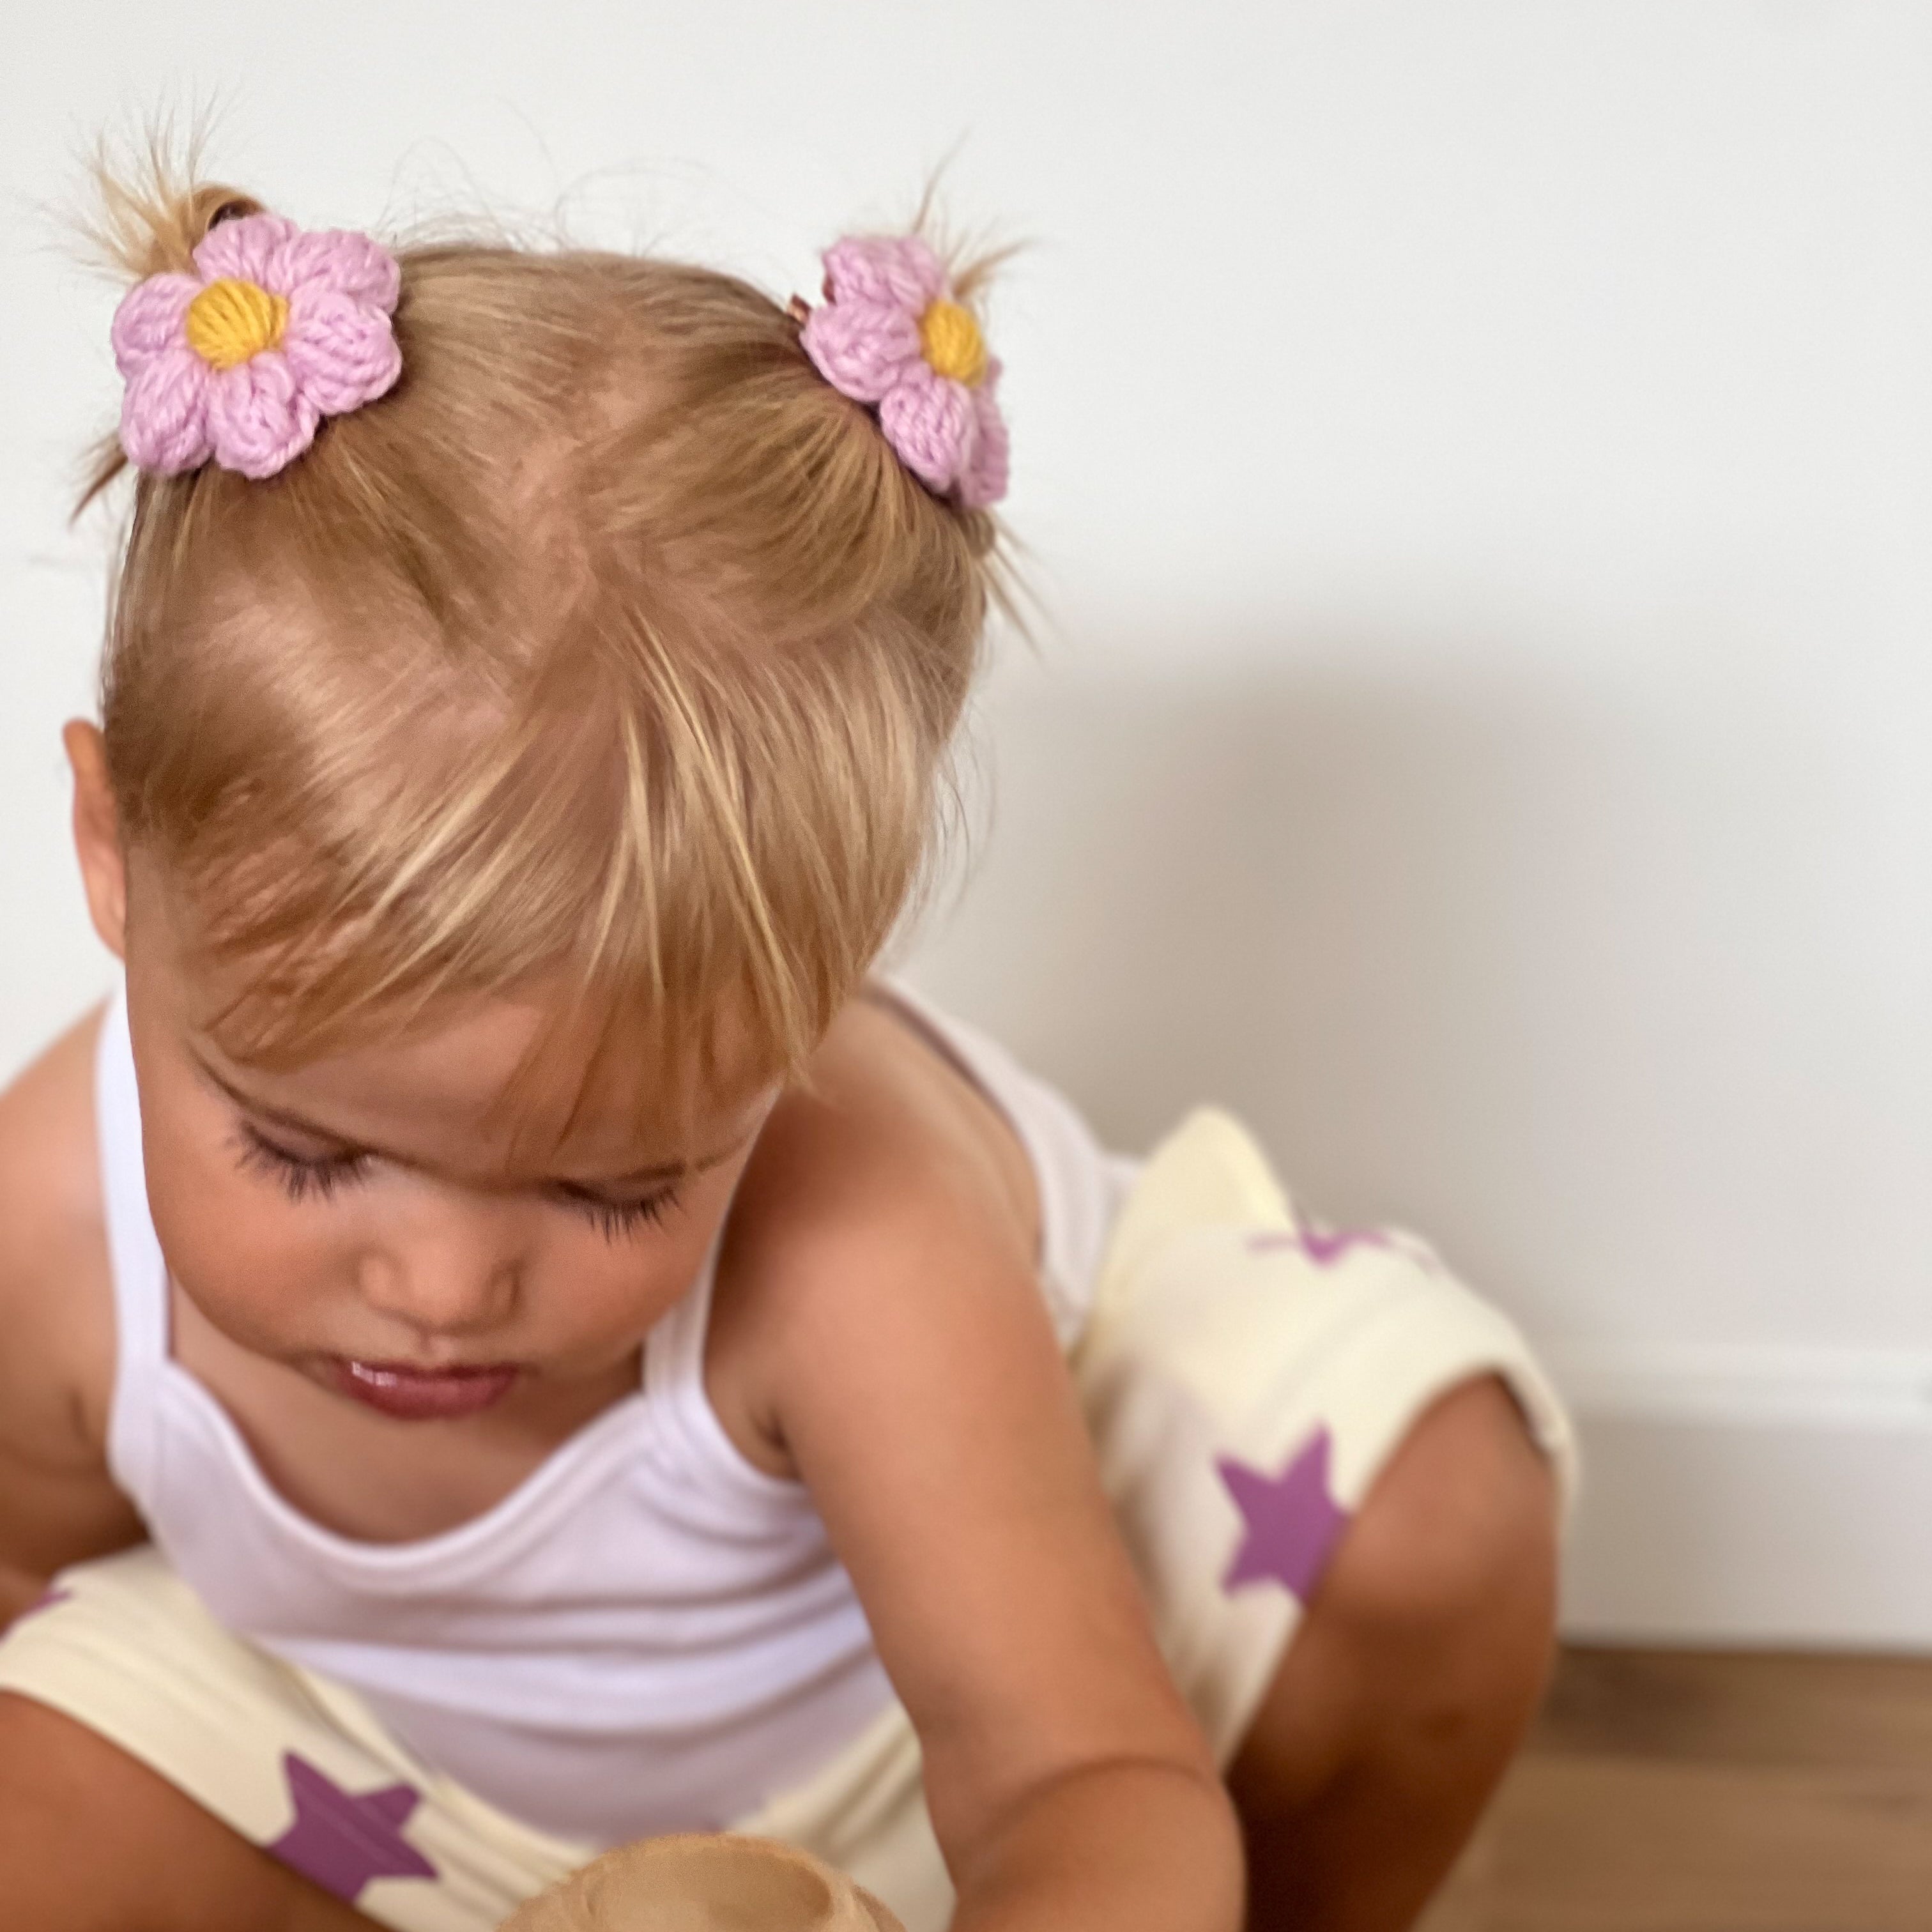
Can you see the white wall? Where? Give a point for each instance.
(1478, 460)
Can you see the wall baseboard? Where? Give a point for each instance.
(1751, 1496)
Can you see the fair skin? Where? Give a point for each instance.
(1068, 1785)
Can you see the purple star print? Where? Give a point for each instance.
(1322, 1249)
(1293, 1523)
(342, 1840)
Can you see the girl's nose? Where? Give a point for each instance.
(444, 1277)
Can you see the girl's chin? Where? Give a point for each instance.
(408, 1394)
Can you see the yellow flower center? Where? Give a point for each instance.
(230, 321)
(952, 343)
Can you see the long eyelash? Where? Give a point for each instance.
(300, 1179)
(615, 1219)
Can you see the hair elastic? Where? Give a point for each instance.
(278, 327)
(890, 334)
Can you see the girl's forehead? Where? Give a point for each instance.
(536, 1079)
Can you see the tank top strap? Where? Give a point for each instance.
(134, 1254)
(688, 1427)
(1081, 1186)
(674, 1349)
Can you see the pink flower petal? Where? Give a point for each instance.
(983, 480)
(148, 324)
(861, 348)
(897, 271)
(337, 258)
(928, 419)
(164, 413)
(248, 248)
(342, 350)
(259, 419)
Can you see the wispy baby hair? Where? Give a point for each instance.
(613, 648)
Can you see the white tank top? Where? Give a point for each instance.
(650, 1633)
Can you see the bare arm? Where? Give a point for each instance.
(919, 1391)
(58, 1504)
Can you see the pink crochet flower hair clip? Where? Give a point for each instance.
(890, 334)
(276, 328)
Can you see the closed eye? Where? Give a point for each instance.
(316, 1177)
(616, 1220)
(301, 1177)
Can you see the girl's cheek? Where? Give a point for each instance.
(228, 1235)
(590, 1287)
(583, 1281)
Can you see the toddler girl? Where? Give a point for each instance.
(515, 1341)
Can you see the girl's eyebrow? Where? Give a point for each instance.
(281, 1117)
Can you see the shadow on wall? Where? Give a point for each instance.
(1611, 992)
(1375, 914)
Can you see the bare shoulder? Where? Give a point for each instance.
(56, 1310)
(886, 1165)
(882, 1310)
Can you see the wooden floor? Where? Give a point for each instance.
(1665, 1792)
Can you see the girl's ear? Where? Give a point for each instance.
(97, 836)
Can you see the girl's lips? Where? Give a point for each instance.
(421, 1395)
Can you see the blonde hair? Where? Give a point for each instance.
(614, 642)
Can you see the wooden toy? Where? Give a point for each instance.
(704, 1881)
